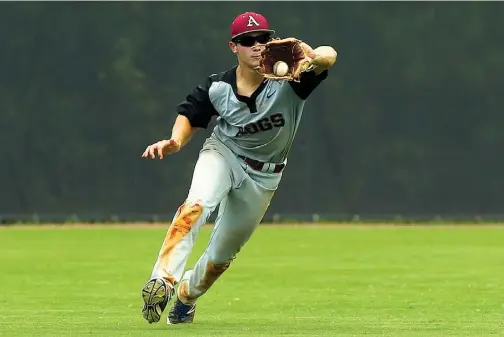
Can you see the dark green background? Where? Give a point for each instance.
(408, 122)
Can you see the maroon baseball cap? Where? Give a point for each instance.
(249, 22)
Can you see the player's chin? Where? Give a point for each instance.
(255, 61)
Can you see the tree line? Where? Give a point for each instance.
(408, 121)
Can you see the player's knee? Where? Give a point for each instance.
(219, 262)
(192, 202)
(216, 268)
(188, 215)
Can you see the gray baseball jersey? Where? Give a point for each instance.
(261, 127)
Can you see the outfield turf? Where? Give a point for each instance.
(293, 281)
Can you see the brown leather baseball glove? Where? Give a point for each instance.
(288, 50)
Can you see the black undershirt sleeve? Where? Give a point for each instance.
(197, 106)
(308, 82)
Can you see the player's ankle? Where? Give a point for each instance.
(183, 293)
(170, 280)
(186, 301)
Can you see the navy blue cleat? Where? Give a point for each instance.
(181, 313)
(156, 294)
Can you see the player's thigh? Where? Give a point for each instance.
(240, 214)
(211, 179)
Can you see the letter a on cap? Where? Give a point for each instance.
(252, 21)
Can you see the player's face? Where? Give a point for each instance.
(248, 48)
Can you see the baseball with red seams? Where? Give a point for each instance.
(280, 68)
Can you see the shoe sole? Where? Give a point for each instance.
(156, 294)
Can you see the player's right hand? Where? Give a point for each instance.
(162, 148)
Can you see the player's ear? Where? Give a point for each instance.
(232, 46)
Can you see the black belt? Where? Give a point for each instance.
(259, 165)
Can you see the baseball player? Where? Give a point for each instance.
(239, 166)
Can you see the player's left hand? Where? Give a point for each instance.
(296, 54)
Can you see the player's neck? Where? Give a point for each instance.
(249, 77)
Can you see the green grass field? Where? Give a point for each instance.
(292, 281)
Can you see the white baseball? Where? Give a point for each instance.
(280, 68)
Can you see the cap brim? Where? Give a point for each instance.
(253, 31)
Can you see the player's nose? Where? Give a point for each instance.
(257, 46)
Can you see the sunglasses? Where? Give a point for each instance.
(249, 41)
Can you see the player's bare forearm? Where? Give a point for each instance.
(322, 57)
(182, 130)
(325, 57)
